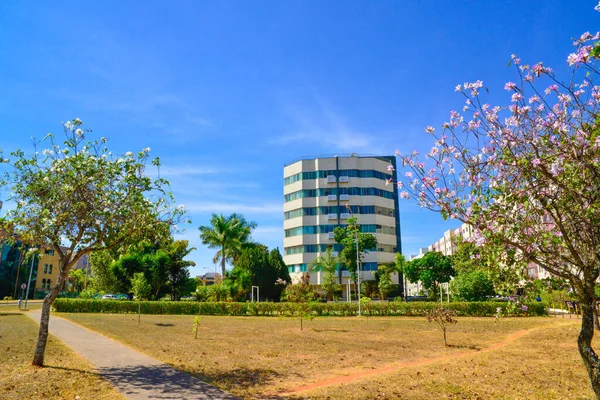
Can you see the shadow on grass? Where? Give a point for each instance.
(161, 324)
(330, 330)
(244, 377)
(464, 346)
(72, 370)
(160, 382)
(10, 314)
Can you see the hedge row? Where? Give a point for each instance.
(477, 309)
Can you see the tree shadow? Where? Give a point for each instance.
(160, 382)
(161, 324)
(464, 346)
(330, 330)
(9, 314)
(80, 371)
(243, 377)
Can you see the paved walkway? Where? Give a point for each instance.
(133, 374)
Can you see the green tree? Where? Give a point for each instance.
(78, 278)
(104, 278)
(302, 294)
(385, 281)
(140, 286)
(256, 266)
(228, 234)
(431, 269)
(328, 264)
(178, 273)
(346, 236)
(472, 286)
(76, 191)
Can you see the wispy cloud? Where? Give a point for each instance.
(234, 207)
(322, 124)
(188, 170)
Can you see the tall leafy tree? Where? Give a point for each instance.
(178, 273)
(431, 270)
(228, 235)
(257, 266)
(526, 175)
(347, 237)
(104, 278)
(75, 191)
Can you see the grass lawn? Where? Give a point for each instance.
(261, 357)
(66, 375)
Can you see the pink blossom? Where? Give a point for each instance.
(408, 174)
(390, 167)
(510, 86)
(404, 195)
(535, 162)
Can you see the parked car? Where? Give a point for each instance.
(109, 296)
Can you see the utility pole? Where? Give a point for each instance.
(29, 281)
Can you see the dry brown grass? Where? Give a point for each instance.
(258, 357)
(66, 375)
(544, 364)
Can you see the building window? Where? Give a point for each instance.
(45, 268)
(50, 268)
(48, 284)
(49, 252)
(43, 284)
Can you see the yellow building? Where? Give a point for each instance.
(47, 270)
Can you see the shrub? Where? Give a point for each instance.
(479, 309)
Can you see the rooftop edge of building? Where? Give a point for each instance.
(351, 155)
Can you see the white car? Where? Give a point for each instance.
(109, 297)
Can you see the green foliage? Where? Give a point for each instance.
(431, 269)
(228, 235)
(104, 278)
(474, 285)
(385, 282)
(140, 286)
(78, 276)
(195, 327)
(256, 266)
(369, 289)
(414, 309)
(89, 294)
(328, 264)
(162, 264)
(346, 236)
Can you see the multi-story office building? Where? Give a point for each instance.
(316, 195)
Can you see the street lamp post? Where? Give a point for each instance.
(357, 260)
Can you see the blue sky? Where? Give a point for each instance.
(227, 92)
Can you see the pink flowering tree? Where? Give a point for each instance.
(527, 175)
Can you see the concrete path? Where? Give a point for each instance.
(133, 374)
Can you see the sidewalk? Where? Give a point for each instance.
(135, 375)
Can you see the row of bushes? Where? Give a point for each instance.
(476, 309)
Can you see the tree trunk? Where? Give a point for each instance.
(584, 341)
(596, 322)
(445, 342)
(40, 349)
(223, 262)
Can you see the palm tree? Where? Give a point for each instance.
(227, 234)
(328, 264)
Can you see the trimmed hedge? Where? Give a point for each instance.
(473, 309)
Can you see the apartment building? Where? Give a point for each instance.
(317, 194)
